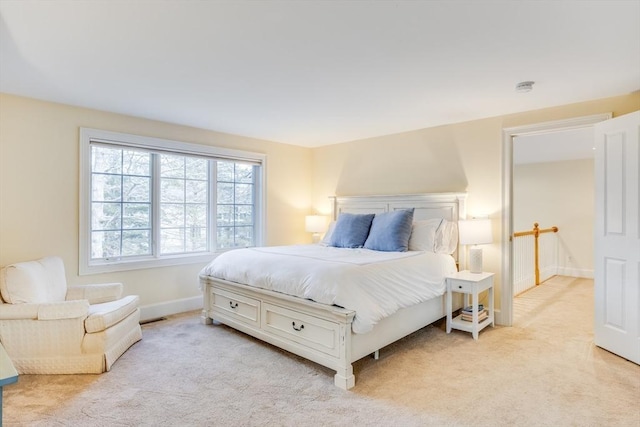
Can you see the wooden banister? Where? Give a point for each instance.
(536, 233)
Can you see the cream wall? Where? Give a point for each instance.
(39, 161)
(559, 194)
(458, 157)
(39, 170)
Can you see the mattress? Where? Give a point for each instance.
(374, 284)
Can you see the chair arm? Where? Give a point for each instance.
(95, 294)
(45, 311)
(63, 310)
(18, 311)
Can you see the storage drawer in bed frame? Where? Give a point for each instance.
(239, 307)
(317, 332)
(309, 331)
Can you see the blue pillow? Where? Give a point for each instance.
(351, 230)
(390, 231)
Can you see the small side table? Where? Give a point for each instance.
(8, 374)
(469, 284)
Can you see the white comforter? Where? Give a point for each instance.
(374, 284)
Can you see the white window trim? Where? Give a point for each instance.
(87, 135)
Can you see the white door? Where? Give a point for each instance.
(617, 236)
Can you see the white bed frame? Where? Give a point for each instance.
(320, 332)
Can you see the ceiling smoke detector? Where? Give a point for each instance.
(524, 86)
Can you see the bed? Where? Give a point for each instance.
(329, 329)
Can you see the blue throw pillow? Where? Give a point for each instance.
(390, 231)
(351, 230)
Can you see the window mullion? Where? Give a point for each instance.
(155, 203)
(234, 207)
(121, 203)
(254, 211)
(184, 206)
(213, 206)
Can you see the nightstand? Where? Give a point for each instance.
(472, 284)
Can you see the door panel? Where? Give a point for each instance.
(614, 176)
(614, 296)
(617, 237)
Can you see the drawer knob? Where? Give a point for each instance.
(459, 286)
(295, 328)
(233, 305)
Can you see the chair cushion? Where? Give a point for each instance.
(34, 281)
(102, 316)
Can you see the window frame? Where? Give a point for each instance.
(159, 145)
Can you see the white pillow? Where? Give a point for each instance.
(423, 234)
(327, 236)
(435, 235)
(446, 238)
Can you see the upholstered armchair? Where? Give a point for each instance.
(49, 328)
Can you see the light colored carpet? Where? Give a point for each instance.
(545, 371)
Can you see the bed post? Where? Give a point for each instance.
(205, 319)
(344, 377)
(345, 380)
(334, 212)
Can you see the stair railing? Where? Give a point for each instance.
(536, 232)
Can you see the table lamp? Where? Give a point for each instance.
(315, 224)
(475, 232)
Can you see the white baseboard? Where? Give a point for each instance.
(154, 311)
(497, 317)
(575, 272)
(548, 272)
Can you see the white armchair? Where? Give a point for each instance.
(49, 328)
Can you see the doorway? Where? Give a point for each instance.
(553, 176)
(505, 316)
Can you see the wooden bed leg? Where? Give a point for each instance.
(345, 378)
(376, 355)
(205, 319)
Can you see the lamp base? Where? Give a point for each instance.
(475, 260)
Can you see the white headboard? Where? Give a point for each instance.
(450, 206)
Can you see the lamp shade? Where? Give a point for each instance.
(475, 232)
(315, 223)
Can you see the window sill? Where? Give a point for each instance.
(106, 267)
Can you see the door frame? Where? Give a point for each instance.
(505, 315)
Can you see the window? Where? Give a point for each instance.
(149, 202)
(184, 202)
(120, 203)
(235, 213)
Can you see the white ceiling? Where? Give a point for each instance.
(318, 72)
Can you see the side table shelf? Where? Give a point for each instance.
(469, 284)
